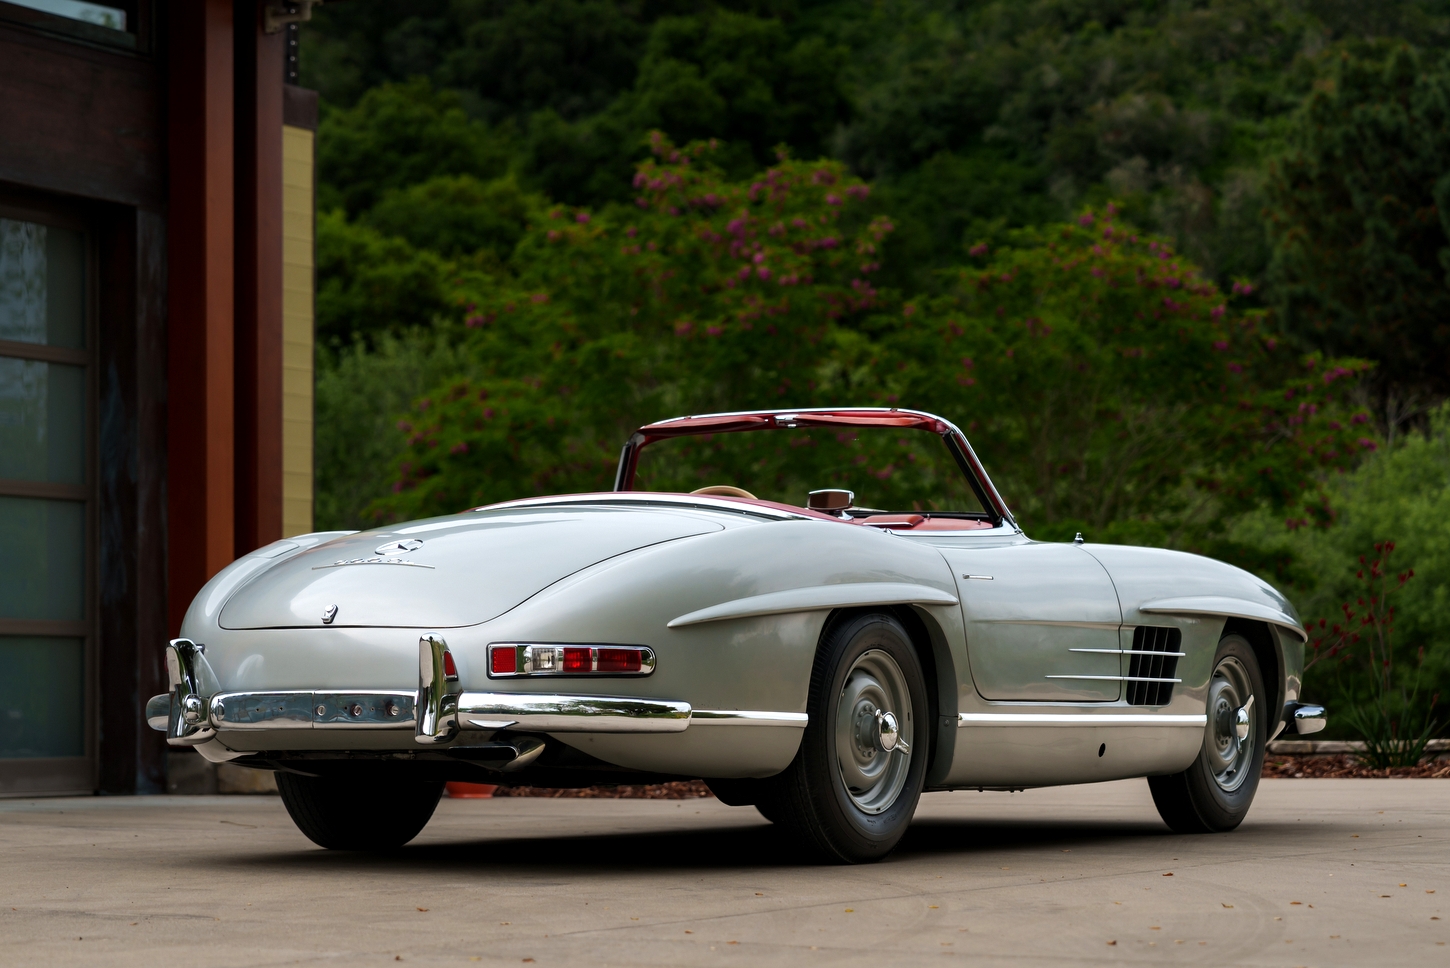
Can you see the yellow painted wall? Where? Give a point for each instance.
(298, 218)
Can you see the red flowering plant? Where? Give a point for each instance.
(1382, 700)
(1113, 389)
(704, 294)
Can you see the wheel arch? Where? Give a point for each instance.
(1271, 663)
(930, 644)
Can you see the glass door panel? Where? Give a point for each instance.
(41, 683)
(42, 421)
(45, 499)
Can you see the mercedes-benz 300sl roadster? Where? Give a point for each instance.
(822, 613)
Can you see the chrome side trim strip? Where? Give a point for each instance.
(1079, 719)
(1121, 678)
(1129, 652)
(747, 717)
(573, 714)
(818, 598)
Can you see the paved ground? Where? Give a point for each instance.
(1047, 877)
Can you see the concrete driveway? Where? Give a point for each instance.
(1324, 872)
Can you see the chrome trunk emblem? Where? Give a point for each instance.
(394, 548)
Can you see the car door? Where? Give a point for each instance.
(1042, 622)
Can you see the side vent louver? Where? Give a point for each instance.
(1155, 656)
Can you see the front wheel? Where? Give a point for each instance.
(853, 787)
(1215, 792)
(351, 814)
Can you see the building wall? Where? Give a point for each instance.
(298, 271)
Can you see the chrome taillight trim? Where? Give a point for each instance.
(547, 659)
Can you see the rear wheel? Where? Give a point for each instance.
(1215, 792)
(353, 814)
(853, 787)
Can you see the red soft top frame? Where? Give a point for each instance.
(723, 423)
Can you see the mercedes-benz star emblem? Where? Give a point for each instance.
(393, 548)
(329, 614)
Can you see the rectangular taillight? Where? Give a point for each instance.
(507, 659)
(618, 660)
(503, 660)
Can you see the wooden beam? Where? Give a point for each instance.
(259, 69)
(201, 253)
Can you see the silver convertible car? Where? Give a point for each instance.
(822, 613)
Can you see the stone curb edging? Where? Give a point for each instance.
(1331, 747)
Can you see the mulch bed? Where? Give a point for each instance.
(1346, 765)
(679, 790)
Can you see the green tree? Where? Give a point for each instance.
(457, 215)
(1360, 215)
(370, 284)
(1112, 389)
(704, 294)
(399, 135)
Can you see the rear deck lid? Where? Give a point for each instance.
(447, 572)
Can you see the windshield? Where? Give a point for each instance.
(888, 468)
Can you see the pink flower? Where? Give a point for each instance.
(631, 231)
(763, 272)
(908, 310)
(1368, 444)
(404, 426)
(539, 297)
(859, 191)
(459, 448)
(978, 250)
(1219, 344)
(833, 199)
(714, 330)
(1217, 312)
(683, 328)
(967, 362)
(1086, 219)
(1359, 418)
(582, 218)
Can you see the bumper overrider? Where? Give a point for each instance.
(197, 711)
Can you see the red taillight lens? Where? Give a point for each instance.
(619, 660)
(450, 668)
(503, 660)
(578, 660)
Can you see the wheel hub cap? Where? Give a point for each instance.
(1228, 742)
(873, 732)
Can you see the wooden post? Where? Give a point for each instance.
(200, 286)
(260, 61)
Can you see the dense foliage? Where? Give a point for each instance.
(1361, 220)
(1180, 267)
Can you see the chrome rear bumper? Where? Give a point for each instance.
(195, 711)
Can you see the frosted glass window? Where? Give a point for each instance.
(42, 284)
(42, 573)
(42, 421)
(42, 697)
(91, 13)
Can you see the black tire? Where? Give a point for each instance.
(811, 798)
(352, 814)
(758, 793)
(1200, 800)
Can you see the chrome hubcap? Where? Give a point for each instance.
(874, 732)
(1229, 740)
